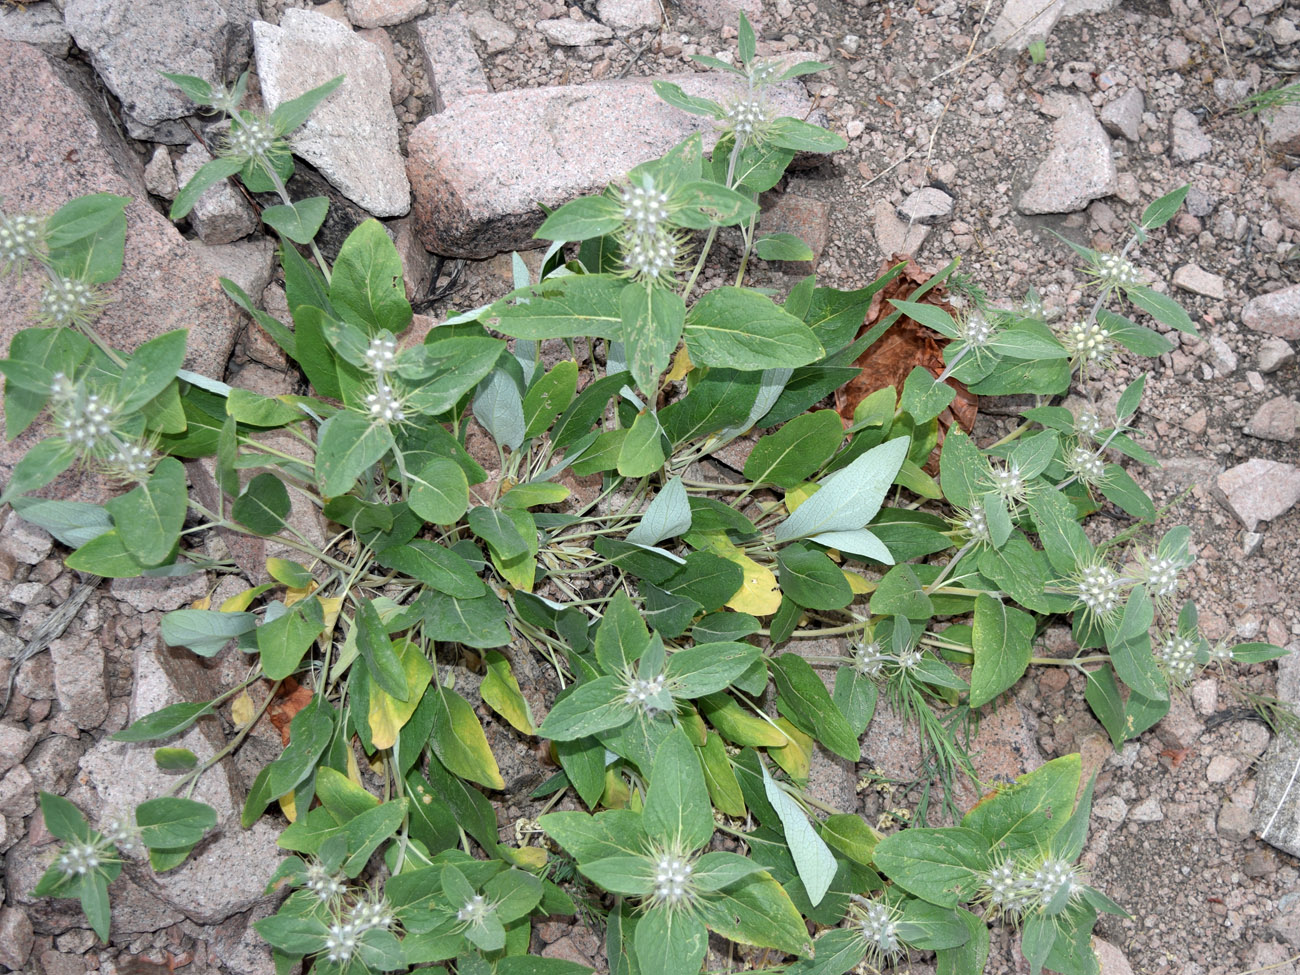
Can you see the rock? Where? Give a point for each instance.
(399, 85)
(130, 41)
(1277, 313)
(1285, 194)
(1110, 958)
(16, 938)
(24, 541)
(1195, 279)
(452, 66)
(54, 147)
(1123, 116)
(146, 595)
(479, 169)
(725, 13)
(160, 174)
(1259, 490)
(1112, 808)
(15, 742)
(806, 218)
(248, 263)
(1282, 129)
(17, 793)
(566, 32)
(1275, 420)
(79, 681)
(1272, 355)
(1147, 811)
(1234, 823)
(1077, 170)
(1189, 142)
(1221, 769)
(221, 214)
(55, 962)
(352, 136)
(629, 15)
(1277, 801)
(495, 36)
(928, 205)
(1196, 423)
(1023, 22)
(1222, 357)
(893, 236)
(38, 24)
(384, 13)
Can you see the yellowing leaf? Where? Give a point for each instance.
(242, 710)
(289, 807)
(241, 601)
(330, 607)
(796, 757)
(798, 494)
(387, 714)
(695, 729)
(204, 603)
(859, 585)
(500, 691)
(459, 742)
(528, 857)
(681, 366)
(354, 770)
(616, 791)
(292, 596)
(758, 594)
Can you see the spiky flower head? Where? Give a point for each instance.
(1009, 482)
(79, 858)
(1089, 343)
(84, 419)
(909, 659)
(1086, 465)
(475, 910)
(341, 942)
(384, 405)
(1005, 887)
(381, 355)
(22, 239)
(647, 693)
(645, 205)
(877, 923)
(131, 461)
(1099, 589)
(749, 116)
(69, 301)
(1160, 574)
(325, 885)
(976, 330)
(975, 523)
(1116, 271)
(372, 911)
(652, 257)
(868, 658)
(1178, 655)
(1054, 882)
(123, 834)
(1088, 424)
(672, 880)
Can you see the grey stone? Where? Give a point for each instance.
(15, 742)
(1230, 91)
(1123, 116)
(892, 235)
(1189, 143)
(450, 62)
(352, 136)
(16, 938)
(1233, 823)
(1272, 355)
(1112, 809)
(1259, 490)
(1275, 420)
(384, 13)
(725, 13)
(1287, 926)
(399, 85)
(1199, 203)
(1023, 22)
(79, 680)
(1276, 313)
(1197, 280)
(1282, 129)
(566, 32)
(1147, 811)
(1078, 169)
(56, 962)
(248, 263)
(928, 205)
(1283, 30)
(130, 41)
(150, 595)
(53, 762)
(221, 214)
(1277, 783)
(160, 174)
(24, 541)
(494, 35)
(1110, 959)
(38, 24)
(17, 793)
(479, 169)
(1222, 357)
(629, 15)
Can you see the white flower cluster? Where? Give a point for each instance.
(1088, 424)
(252, 138)
(322, 883)
(119, 831)
(651, 257)
(1088, 342)
(868, 659)
(132, 460)
(68, 301)
(1117, 271)
(79, 859)
(1098, 589)
(976, 523)
(382, 405)
(644, 692)
(1179, 655)
(645, 207)
(475, 910)
(381, 356)
(344, 934)
(747, 116)
(20, 239)
(672, 879)
(976, 330)
(1008, 482)
(1086, 465)
(85, 421)
(1161, 576)
(879, 927)
(650, 246)
(1015, 888)
(909, 659)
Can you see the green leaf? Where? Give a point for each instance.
(1028, 340)
(1257, 653)
(782, 247)
(652, 318)
(1013, 376)
(1121, 490)
(593, 706)
(811, 579)
(668, 515)
(164, 723)
(443, 371)
(676, 97)
(548, 396)
(850, 497)
(704, 203)
(1024, 816)
(500, 691)
(172, 822)
(212, 171)
(758, 912)
(495, 528)
(349, 443)
(931, 316)
(708, 667)
(290, 114)
(629, 875)
(459, 742)
(289, 573)
(850, 834)
(63, 820)
(1020, 571)
(812, 857)
(670, 942)
(791, 133)
(204, 631)
(708, 579)
(900, 593)
(366, 282)
(741, 329)
(283, 642)
(1162, 308)
(942, 866)
(94, 903)
(719, 400)
(677, 807)
(298, 221)
(642, 450)
(175, 759)
(38, 467)
(1138, 340)
(924, 397)
(105, 555)
(580, 219)
(439, 493)
(500, 409)
(1003, 643)
(562, 307)
(150, 516)
(366, 831)
(617, 832)
(377, 650)
(1102, 695)
(479, 621)
(796, 451)
(622, 636)
(804, 700)
(1162, 210)
(1129, 642)
(437, 567)
(263, 506)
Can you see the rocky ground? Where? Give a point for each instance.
(959, 144)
